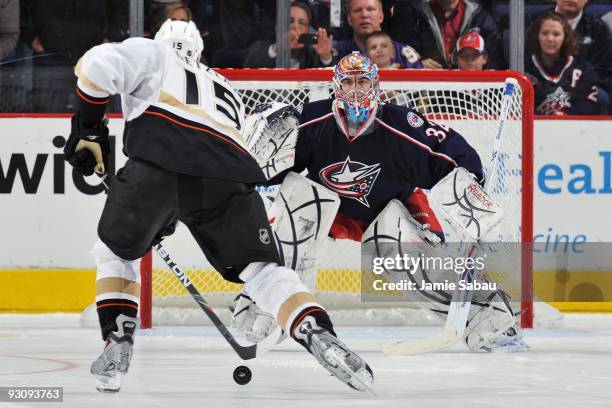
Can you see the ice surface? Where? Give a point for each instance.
(192, 367)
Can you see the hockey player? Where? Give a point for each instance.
(369, 152)
(187, 162)
(373, 154)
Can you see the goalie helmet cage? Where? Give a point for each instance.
(468, 101)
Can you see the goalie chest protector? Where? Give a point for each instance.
(403, 151)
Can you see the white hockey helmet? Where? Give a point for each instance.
(183, 36)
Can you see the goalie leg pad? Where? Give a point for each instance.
(395, 225)
(301, 218)
(492, 326)
(395, 232)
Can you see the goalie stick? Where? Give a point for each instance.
(458, 313)
(244, 352)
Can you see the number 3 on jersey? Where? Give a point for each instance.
(439, 134)
(225, 102)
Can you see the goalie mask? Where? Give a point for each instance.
(183, 36)
(356, 88)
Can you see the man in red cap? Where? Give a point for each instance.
(471, 53)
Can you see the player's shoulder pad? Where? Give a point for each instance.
(315, 110)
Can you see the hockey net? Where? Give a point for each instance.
(469, 102)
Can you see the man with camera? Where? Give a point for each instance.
(308, 50)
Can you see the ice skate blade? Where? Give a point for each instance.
(108, 390)
(510, 348)
(108, 384)
(334, 359)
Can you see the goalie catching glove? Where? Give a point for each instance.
(88, 147)
(271, 133)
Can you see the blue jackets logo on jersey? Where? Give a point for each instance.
(351, 179)
(556, 101)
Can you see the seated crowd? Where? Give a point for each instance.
(568, 53)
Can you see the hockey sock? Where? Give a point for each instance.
(109, 309)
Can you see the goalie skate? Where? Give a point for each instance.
(335, 356)
(115, 359)
(510, 341)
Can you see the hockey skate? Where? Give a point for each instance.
(510, 341)
(334, 355)
(115, 359)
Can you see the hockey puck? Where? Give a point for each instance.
(242, 375)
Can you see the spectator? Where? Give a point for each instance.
(379, 48)
(432, 27)
(174, 10)
(595, 40)
(62, 31)
(471, 53)
(262, 54)
(9, 27)
(366, 17)
(563, 84)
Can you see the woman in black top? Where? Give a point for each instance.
(564, 85)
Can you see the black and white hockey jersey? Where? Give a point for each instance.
(179, 114)
(567, 88)
(403, 152)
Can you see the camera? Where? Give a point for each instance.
(308, 39)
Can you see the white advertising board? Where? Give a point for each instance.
(49, 213)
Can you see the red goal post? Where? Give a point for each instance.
(468, 101)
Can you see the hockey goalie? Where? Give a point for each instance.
(376, 158)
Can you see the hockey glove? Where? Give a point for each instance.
(88, 147)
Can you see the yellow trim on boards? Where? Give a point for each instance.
(46, 290)
(72, 290)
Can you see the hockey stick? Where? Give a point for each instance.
(459, 309)
(245, 353)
